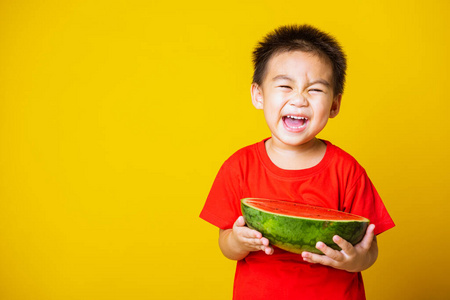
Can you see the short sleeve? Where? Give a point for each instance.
(222, 207)
(363, 199)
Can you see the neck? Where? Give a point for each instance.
(296, 157)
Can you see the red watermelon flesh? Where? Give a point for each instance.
(293, 209)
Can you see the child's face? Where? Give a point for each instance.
(296, 96)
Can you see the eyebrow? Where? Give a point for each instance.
(322, 81)
(285, 77)
(282, 77)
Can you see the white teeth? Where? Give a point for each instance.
(297, 118)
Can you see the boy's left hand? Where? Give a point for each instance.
(351, 258)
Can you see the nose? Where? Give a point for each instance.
(298, 100)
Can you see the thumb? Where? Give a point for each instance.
(240, 222)
(368, 237)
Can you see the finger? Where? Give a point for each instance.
(255, 242)
(265, 241)
(249, 234)
(259, 243)
(366, 242)
(268, 250)
(266, 247)
(330, 252)
(244, 231)
(240, 222)
(344, 245)
(317, 259)
(251, 245)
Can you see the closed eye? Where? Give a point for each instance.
(285, 86)
(316, 90)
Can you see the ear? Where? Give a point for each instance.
(257, 96)
(335, 106)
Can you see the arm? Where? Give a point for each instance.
(351, 258)
(236, 243)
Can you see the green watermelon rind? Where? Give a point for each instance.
(297, 234)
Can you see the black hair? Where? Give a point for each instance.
(300, 38)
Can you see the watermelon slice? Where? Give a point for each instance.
(298, 227)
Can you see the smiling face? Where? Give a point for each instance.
(297, 97)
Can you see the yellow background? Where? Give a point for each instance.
(116, 115)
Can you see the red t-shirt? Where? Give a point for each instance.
(337, 182)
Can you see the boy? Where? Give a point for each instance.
(298, 82)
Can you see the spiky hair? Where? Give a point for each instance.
(303, 38)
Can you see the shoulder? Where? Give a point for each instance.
(246, 155)
(341, 154)
(344, 161)
(240, 164)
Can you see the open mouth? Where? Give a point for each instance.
(295, 123)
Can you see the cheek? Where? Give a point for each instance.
(271, 109)
(270, 117)
(323, 108)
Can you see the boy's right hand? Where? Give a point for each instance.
(251, 239)
(238, 242)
